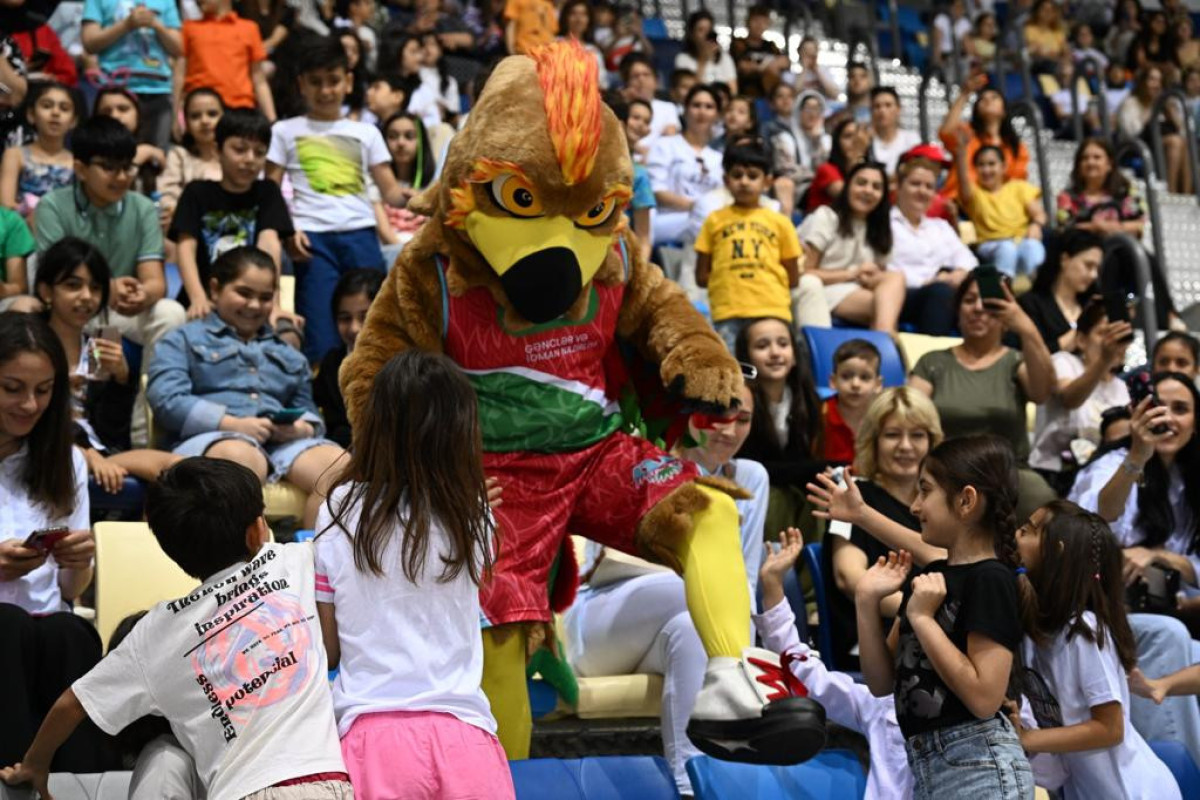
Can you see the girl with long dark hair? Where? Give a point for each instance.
(990, 125)
(847, 246)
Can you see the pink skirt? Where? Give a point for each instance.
(424, 755)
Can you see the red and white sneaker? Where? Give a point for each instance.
(754, 710)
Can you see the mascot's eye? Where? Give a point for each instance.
(598, 214)
(514, 194)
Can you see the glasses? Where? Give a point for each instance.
(125, 168)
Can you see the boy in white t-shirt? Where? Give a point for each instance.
(330, 161)
(237, 667)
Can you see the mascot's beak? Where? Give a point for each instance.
(543, 263)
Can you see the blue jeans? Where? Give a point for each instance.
(728, 330)
(1164, 646)
(1014, 258)
(972, 761)
(333, 253)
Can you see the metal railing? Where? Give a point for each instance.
(1137, 147)
(1189, 135)
(1089, 66)
(931, 71)
(1026, 109)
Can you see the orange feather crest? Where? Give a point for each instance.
(570, 83)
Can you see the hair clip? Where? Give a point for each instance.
(1020, 570)
(1096, 576)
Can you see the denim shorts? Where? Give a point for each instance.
(971, 760)
(279, 456)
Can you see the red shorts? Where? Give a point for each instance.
(601, 492)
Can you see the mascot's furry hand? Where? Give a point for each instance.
(699, 369)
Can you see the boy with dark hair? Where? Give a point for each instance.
(329, 160)
(237, 667)
(679, 84)
(388, 94)
(240, 209)
(857, 380)
(888, 140)
(748, 256)
(124, 227)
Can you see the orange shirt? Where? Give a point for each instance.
(1015, 167)
(219, 52)
(536, 21)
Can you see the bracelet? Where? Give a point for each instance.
(1130, 469)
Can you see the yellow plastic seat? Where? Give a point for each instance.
(613, 696)
(287, 293)
(132, 574)
(915, 345)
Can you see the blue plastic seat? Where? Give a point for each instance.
(127, 504)
(812, 562)
(822, 342)
(595, 778)
(832, 775)
(1180, 762)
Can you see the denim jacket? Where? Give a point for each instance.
(203, 371)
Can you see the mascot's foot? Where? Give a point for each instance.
(754, 710)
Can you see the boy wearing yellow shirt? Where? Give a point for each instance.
(746, 255)
(1008, 215)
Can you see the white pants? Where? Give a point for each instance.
(642, 625)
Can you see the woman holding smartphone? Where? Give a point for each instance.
(72, 283)
(982, 386)
(43, 485)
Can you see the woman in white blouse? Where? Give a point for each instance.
(43, 484)
(702, 55)
(1149, 492)
(683, 168)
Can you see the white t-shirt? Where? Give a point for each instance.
(723, 70)
(429, 100)
(921, 251)
(1056, 426)
(239, 670)
(663, 115)
(37, 592)
(404, 646)
(675, 167)
(888, 153)
(962, 29)
(328, 163)
(1077, 675)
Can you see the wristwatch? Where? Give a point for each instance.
(1131, 469)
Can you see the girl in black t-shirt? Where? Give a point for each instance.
(950, 654)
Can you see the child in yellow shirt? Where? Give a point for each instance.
(747, 256)
(1008, 215)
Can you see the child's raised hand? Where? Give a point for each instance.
(19, 774)
(886, 577)
(776, 564)
(841, 503)
(1153, 688)
(928, 594)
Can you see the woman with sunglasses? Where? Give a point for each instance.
(685, 166)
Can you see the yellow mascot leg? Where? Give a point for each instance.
(714, 576)
(504, 685)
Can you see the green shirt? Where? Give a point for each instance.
(126, 233)
(988, 400)
(15, 239)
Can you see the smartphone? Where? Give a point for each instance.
(284, 416)
(44, 539)
(110, 333)
(988, 279)
(1140, 387)
(1116, 308)
(839, 527)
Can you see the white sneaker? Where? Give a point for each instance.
(753, 709)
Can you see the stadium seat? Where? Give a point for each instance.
(812, 562)
(1180, 762)
(915, 345)
(68, 786)
(287, 293)
(125, 504)
(595, 778)
(822, 342)
(132, 574)
(613, 696)
(832, 775)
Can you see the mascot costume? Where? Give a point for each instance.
(526, 276)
